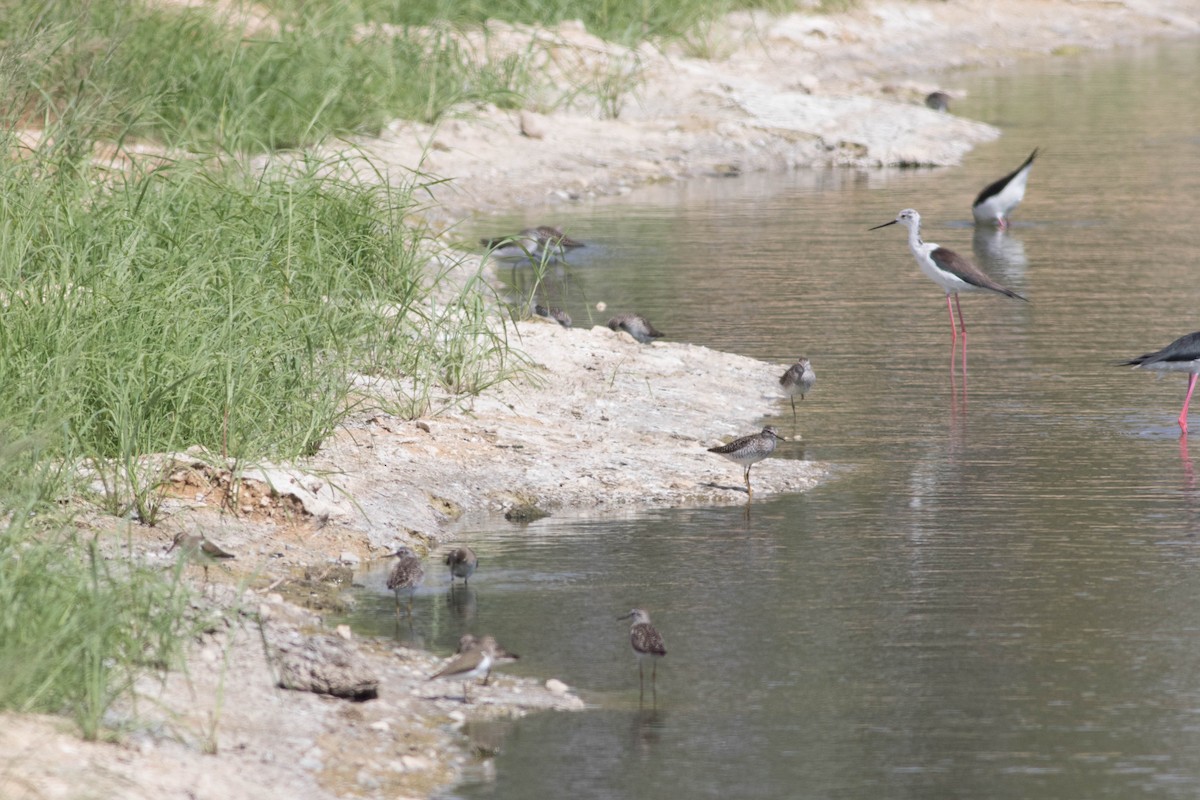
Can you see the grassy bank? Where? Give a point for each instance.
(242, 80)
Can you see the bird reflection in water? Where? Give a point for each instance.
(462, 603)
(1000, 253)
(648, 726)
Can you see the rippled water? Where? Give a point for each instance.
(998, 595)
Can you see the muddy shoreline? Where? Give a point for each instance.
(597, 423)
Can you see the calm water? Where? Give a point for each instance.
(998, 595)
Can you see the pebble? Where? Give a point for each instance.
(415, 763)
(345, 632)
(348, 557)
(555, 686)
(382, 726)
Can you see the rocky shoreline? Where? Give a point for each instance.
(580, 431)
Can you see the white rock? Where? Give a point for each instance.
(555, 686)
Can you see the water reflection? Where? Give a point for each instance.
(1000, 254)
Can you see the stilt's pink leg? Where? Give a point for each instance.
(960, 319)
(1002, 223)
(1186, 401)
(950, 310)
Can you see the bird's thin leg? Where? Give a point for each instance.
(1186, 401)
(794, 407)
(950, 310)
(641, 682)
(466, 693)
(749, 491)
(961, 324)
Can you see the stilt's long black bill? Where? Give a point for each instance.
(884, 225)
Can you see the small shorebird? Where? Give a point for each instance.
(462, 562)
(798, 380)
(476, 661)
(535, 244)
(1181, 355)
(405, 576)
(997, 200)
(946, 268)
(499, 655)
(938, 101)
(556, 314)
(749, 450)
(199, 550)
(636, 326)
(647, 642)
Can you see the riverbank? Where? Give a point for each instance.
(594, 422)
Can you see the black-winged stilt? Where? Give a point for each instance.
(997, 200)
(1181, 355)
(946, 268)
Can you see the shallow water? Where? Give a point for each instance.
(998, 593)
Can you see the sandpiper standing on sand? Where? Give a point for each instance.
(462, 562)
(475, 661)
(199, 550)
(636, 326)
(749, 450)
(647, 642)
(405, 576)
(798, 380)
(946, 268)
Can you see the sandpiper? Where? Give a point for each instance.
(462, 562)
(647, 642)
(636, 326)
(499, 655)
(938, 101)
(1181, 355)
(998, 199)
(556, 314)
(534, 244)
(798, 380)
(405, 576)
(946, 268)
(199, 550)
(476, 661)
(749, 450)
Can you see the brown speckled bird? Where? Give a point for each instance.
(405, 576)
(647, 642)
(475, 659)
(199, 550)
(636, 326)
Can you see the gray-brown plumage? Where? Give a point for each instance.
(938, 101)
(475, 659)
(749, 450)
(556, 314)
(406, 575)
(499, 654)
(462, 562)
(798, 380)
(647, 642)
(535, 244)
(636, 326)
(199, 550)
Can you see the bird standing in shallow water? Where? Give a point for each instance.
(946, 268)
(199, 550)
(1181, 355)
(405, 576)
(998, 199)
(749, 450)
(534, 244)
(798, 380)
(647, 642)
(462, 562)
(636, 326)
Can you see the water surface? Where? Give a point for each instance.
(998, 594)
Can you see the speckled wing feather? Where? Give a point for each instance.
(646, 639)
(406, 574)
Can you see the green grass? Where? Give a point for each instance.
(190, 78)
(76, 632)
